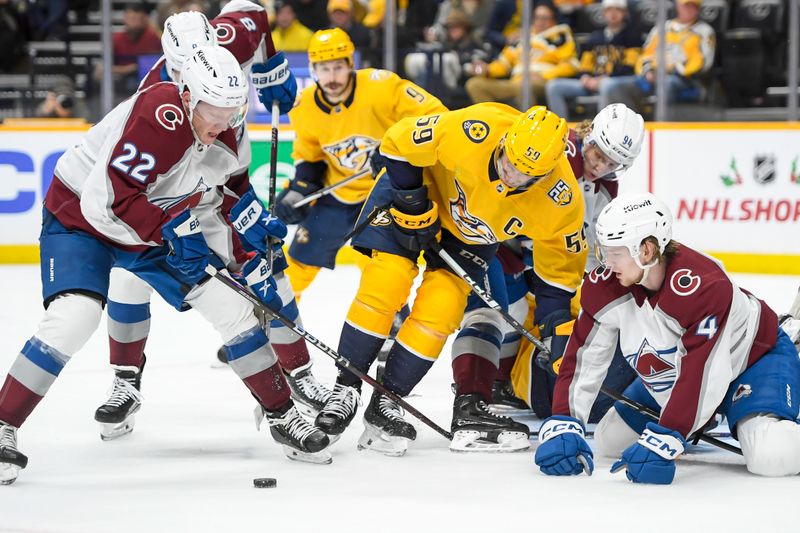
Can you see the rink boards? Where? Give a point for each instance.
(734, 188)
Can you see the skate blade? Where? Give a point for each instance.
(476, 441)
(8, 473)
(376, 440)
(322, 457)
(115, 431)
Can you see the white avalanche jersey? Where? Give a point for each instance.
(687, 342)
(139, 167)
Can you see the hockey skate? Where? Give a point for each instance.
(308, 394)
(116, 415)
(339, 410)
(11, 460)
(476, 429)
(301, 441)
(385, 431)
(503, 395)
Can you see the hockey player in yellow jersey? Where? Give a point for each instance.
(468, 178)
(339, 122)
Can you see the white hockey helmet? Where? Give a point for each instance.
(618, 132)
(183, 32)
(628, 220)
(213, 77)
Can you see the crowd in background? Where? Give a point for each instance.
(464, 51)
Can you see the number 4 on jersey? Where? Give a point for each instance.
(707, 327)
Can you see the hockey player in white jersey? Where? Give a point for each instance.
(143, 190)
(243, 29)
(699, 344)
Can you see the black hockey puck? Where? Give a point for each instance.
(265, 482)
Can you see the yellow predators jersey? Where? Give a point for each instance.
(456, 151)
(344, 135)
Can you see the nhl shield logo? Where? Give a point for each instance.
(764, 168)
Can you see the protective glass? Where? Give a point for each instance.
(510, 176)
(221, 117)
(611, 256)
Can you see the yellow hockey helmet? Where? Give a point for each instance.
(327, 45)
(536, 141)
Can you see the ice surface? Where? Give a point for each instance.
(190, 462)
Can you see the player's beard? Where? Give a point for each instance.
(335, 92)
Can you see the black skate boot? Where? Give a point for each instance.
(339, 410)
(301, 441)
(116, 415)
(476, 429)
(308, 394)
(385, 431)
(11, 460)
(503, 394)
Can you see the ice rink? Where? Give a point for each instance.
(190, 462)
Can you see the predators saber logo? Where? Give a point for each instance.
(353, 152)
(471, 227)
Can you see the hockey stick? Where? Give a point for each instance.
(484, 295)
(273, 171)
(447, 258)
(330, 188)
(655, 416)
(330, 352)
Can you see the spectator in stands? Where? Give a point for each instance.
(340, 13)
(165, 9)
(59, 103)
(13, 34)
(48, 20)
(312, 14)
(457, 51)
(552, 56)
(288, 33)
(476, 11)
(690, 45)
(568, 10)
(504, 23)
(609, 54)
(137, 38)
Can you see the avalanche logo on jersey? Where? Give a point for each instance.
(476, 130)
(176, 204)
(471, 227)
(352, 153)
(683, 282)
(657, 373)
(599, 274)
(560, 193)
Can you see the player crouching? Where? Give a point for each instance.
(699, 344)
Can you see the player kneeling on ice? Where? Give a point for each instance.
(140, 192)
(699, 344)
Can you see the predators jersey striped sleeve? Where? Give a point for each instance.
(344, 135)
(455, 151)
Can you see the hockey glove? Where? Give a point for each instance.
(563, 450)
(652, 458)
(258, 277)
(188, 249)
(255, 224)
(416, 219)
(274, 81)
(377, 161)
(555, 330)
(296, 191)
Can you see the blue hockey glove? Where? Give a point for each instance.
(259, 278)
(563, 450)
(188, 249)
(296, 191)
(255, 224)
(652, 458)
(274, 80)
(416, 219)
(555, 330)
